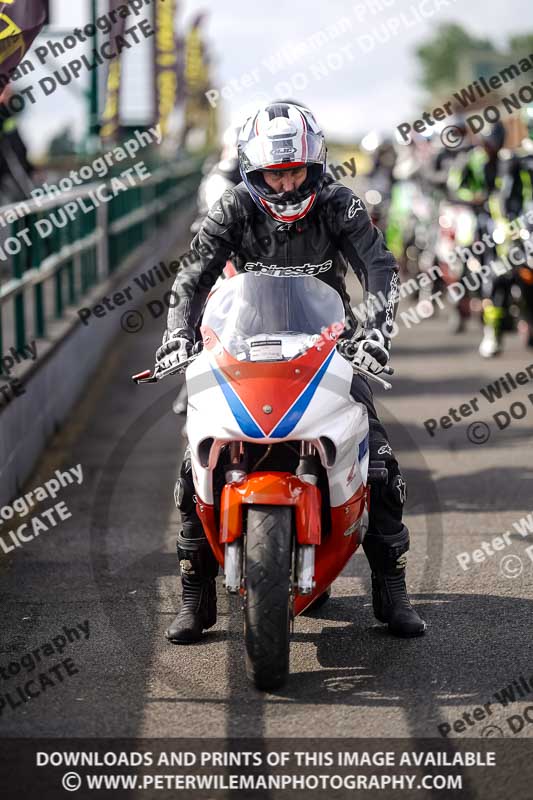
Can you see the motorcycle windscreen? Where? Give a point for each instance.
(260, 317)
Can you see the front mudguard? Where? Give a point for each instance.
(284, 489)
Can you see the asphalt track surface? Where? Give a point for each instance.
(113, 563)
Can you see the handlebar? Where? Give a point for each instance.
(348, 349)
(345, 349)
(158, 374)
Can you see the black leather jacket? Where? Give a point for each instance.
(336, 232)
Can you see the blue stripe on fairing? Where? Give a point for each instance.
(295, 413)
(242, 417)
(363, 448)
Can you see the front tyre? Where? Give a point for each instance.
(268, 583)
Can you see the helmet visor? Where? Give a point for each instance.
(259, 153)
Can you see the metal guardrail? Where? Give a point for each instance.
(59, 270)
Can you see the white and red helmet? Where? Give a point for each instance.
(282, 135)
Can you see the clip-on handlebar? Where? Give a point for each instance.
(347, 349)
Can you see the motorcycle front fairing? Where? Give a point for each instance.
(269, 372)
(331, 420)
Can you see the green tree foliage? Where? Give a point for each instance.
(440, 55)
(522, 44)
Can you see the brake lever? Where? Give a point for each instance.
(147, 376)
(386, 385)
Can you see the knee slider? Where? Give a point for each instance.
(180, 491)
(184, 495)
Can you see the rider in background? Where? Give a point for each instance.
(410, 213)
(433, 177)
(283, 216)
(476, 180)
(444, 158)
(223, 175)
(474, 176)
(514, 208)
(380, 180)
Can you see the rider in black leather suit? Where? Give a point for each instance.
(310, 227)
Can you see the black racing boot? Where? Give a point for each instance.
(386, 556)
(198, 611)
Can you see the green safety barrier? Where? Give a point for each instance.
(89, 248)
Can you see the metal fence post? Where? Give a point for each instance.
(19, 301)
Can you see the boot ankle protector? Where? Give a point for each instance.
(387, 554)
(196, 558)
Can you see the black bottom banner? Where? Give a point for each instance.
(206, 769)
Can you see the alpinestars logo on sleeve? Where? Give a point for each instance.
(355, 206)
(401, 487)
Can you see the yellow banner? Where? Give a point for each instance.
(165, 58)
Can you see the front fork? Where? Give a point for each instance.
(303, 580)
(233, 554)
(307, 471)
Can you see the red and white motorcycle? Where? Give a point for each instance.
(280, 452)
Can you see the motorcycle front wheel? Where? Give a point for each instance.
(267, 608)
